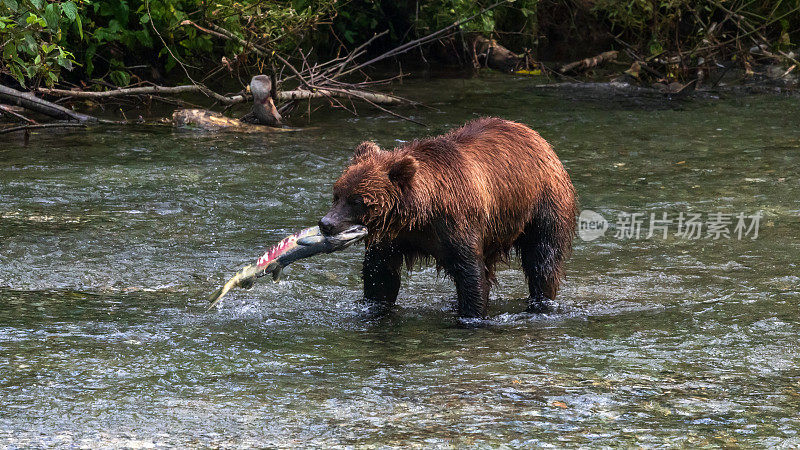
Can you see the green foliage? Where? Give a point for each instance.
(31, 32)
(44, 41)
(104, 38)
(439, 14)
(360, 19)
(669, 25)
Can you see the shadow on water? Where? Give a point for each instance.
(111, 240)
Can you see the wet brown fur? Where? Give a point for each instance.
(473, 193)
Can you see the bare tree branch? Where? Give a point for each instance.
(42, 125)
(297, 94)
(33, 103)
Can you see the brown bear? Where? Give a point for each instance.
(464, 199)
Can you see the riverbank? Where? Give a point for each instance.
(102, 45)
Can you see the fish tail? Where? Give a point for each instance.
(215, 298)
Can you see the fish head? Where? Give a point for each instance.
(348, 237)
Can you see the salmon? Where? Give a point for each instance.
(303, 244)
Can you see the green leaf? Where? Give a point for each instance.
(170, 64)
(120, 78)
(30, 45)
(70, 10)
(11, 4)
(88, 59)
(64, 62)
(80, 27)
(51, 15)
(17, 73)
(144, 19)
(9, 51)
(144, 38)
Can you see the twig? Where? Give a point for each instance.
(384, 109)
(355, 53)
(221, 32)
(42, 125)
(589, 63)
(8, 110)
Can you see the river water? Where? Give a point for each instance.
(110, 241)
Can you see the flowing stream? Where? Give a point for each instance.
(111, 240)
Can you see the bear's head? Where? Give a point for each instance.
(372, 191)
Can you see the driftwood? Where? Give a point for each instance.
(264, 111)
(33, 103)
(205, 119)
(301, 94)
(145, 90)
(589, 63)
(296, 94)
(495, 55)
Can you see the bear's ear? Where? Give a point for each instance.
(402, 171)
(365, 149)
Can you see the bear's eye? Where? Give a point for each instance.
(356, 201)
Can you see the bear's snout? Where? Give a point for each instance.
(327, 225)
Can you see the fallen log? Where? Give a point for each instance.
(202, 118)
(264, 111)
(301, 94)
(496, 56)
(297, 94)
(589, 63)
(33, 103)
(144, 90)
(161, 90)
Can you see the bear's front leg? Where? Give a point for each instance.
(465, 265)
(381, 273)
